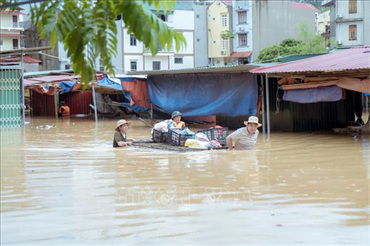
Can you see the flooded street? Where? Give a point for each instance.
(67, 185)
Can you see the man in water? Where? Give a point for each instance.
(245, 137)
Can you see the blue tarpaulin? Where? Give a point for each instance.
(205, 94)
(321, 94)
(67, 86)
(106, 82)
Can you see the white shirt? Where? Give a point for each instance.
(244, 140)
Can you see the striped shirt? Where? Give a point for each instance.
(244, 140)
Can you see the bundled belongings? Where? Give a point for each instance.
(160, 132)
(178, 137)
(201, 141)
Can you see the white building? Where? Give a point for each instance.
(10, 31)
(136, 57)
(132, 55)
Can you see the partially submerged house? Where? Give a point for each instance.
(226, 92)
(318, 93)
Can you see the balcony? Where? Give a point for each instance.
(161, 50)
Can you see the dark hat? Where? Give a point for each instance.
(176, 113)
(62, 103)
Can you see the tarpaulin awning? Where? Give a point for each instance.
(352, 84)
(355, 84)
(135, 90)
(67, 86)
(205, 94)
(241, 54)
(110, 83)
(322, 94)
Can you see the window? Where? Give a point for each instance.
(1, 42)
(352, 32)
(132, 40)
(156, 65)
(15, 44)
(224, 19)
(15, 21)
(133, 65)
(67, 66)
(352, 6)
(242, 17)
(178, 60)
(224, 44)
(101, 67)
(243, 39)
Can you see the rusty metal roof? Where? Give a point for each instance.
(357, 58)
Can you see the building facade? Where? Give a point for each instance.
(137, 57)
(11, 33)
(323, 22)
(274, 21)
(242, 30)
(219, 19)
(349, 22)
(200, 26)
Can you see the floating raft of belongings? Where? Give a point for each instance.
(149, 144)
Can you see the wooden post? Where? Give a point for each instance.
(263, 106)
(267, 105)
(23, 108)
(94, 100)
(151, 111)
(56, 101)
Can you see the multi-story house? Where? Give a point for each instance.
(137, 57)
(11, 33)
(200, 26)
(132, 55)
(349, 22)
(219, 23)
(242, 30)
(323, 22)
(274, 21)
(253, 25)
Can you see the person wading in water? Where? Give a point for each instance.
(120, 136)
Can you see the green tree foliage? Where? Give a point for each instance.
(227, 34)
(88, 30)
(307, 43)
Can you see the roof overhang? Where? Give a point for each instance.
(198, 70)
(23, 50)
(245, 54)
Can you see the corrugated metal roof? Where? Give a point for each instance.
(39, 73)
(223, 69)
(350, 59)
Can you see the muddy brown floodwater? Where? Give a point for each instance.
(67, 186)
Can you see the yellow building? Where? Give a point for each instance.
(219, 21)
(323, 22)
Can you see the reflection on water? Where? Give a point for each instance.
(67, 185)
